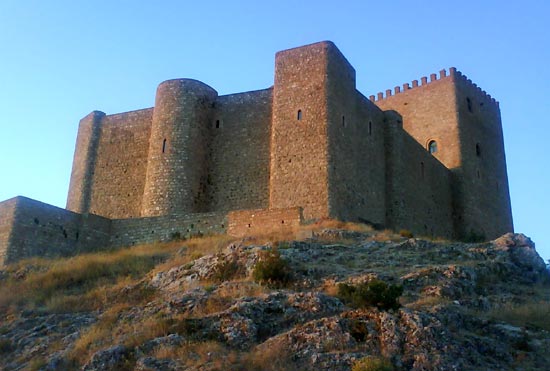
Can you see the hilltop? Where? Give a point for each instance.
(319, 298)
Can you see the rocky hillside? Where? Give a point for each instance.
(329, 297)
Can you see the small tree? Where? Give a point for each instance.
(376, 293)
(272, 269)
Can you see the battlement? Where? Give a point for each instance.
(452, 74)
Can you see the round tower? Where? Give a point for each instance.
(176, 163)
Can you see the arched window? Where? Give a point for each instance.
(299, 115)
(217, 124)
(478, 150)
(344, 121)
(469, 102)
(432, 146)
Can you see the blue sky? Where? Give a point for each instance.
(59, 60)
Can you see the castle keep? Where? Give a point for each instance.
(427, 157)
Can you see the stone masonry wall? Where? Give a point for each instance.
(312, 142)
(85, 155)
(483, 170)
(39, 229)
(128, 232)
(419, 187)
(356, 157)
(238, 165)
(429, 112)
(262, 221)
(121, 163)
(465, 123)
(299, 142)
(7, 217)
(177, 166)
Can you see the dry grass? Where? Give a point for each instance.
(337, 224)
(275, 357)
(114, 328)
(213, 355)
(96, 336)
(372, 363)
(194, 248)
(305, 231)
(125, 290)
(60, 284)
(239, 289)
(225, 295)
(532, 314)
(330, 287)
(387, 235)
(209, 355)
(425, 302)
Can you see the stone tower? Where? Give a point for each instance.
(306, 80)
(87, 141)
(459, 124)
(177, 162)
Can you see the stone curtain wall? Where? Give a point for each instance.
(357, 167)
(238, 173)
(262, 221)
(31, 228)
(419, 187)
(39, 229)
(128, 232)
(121, 163)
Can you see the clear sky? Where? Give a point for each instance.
(61, 59)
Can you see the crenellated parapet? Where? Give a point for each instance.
(452, 73)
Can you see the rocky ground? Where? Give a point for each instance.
(477, 306)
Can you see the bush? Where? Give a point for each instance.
(5, 346)
(272, 269)
(375, 293)
(226, 270)
(372, 364)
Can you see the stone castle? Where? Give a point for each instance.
(427, 157)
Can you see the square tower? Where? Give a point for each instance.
(310, 82)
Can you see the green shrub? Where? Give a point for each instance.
(372, 364)
(226, 270)
(272, 269)
(375, 293)
(5, 346)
